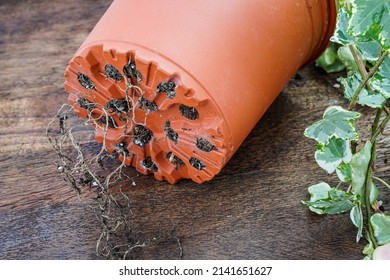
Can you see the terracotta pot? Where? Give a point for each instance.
(205, 72)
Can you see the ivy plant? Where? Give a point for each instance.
(360, 44)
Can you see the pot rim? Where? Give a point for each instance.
(329, 27)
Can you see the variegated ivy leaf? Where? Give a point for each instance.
(327, 200)
(340, 34)
(359, 167)
(357, 219)
(336, 122)
(329, 60)
(345, 55)
(381, 80)
(370, 19)
(369, 49)
(368, 250)
(317, 192)
(368, 98)
(331, 155)
(373, 192)
(343, 171)
(381, 226)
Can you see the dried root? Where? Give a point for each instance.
(83, 163)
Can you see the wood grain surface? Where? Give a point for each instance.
(251, 210)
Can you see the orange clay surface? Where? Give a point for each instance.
(176, 86)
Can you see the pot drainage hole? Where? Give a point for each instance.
(149, 164)
(174, 159)
(121, 148)
(113, 73)
(148, 105)
(204, 145)
(170, 133)
(118, 105)
(168, 88)
(142, 135)
(110, 122)
(131, 71)
(85, 103)
(189, 112)
(85, 81)
(197, 163)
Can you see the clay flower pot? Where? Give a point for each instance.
(178, 85)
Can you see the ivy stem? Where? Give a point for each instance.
(380, 127)
(375, 124)
(358, 60)
(376, 130)
(377, 127)
(370, 230)
(382, 181)
(366, 76)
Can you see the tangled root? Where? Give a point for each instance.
(83, 163)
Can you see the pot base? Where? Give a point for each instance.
(154, 114)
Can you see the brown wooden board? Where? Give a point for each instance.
(251, 210)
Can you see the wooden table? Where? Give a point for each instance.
(251, 210)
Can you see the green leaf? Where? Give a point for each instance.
(336, 122)
(370, 18)
(337, 202)
(343, 171)
(340, 3)
(318, 192)
(359, 166)
(381, 80)
(368, 98)
(369, 49)
(346, 57)
(373, 192)
(327, 200)
(368, 250)
(381, 226)
(330, 156)
(329, 60)
(357, 219)
(340, 34)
